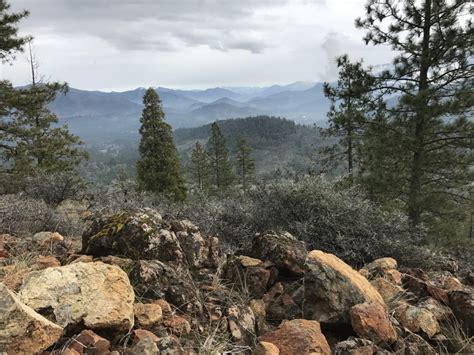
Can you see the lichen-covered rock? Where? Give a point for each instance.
(355, 346)
(140, 234)
(242, 325)
(387, 290)
(96, 294)
(298, 336)
(284, 250)
(22, 330)
(154, 280)
(199, 251)
(462, 304)
(371, 321)
(331, 288)
(417, 319)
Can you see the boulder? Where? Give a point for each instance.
(331, 288)
(147, 316)
(417, 319)
(284, 250)
(48, 238)
(440, 312)
(355, 346)
(371, 321)
(22, 330)
(381, 265)
(462, 304)
(298, 336)
(417, 282)
(155, 280)
(140, 234)
(96, 294)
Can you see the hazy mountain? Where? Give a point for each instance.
(96, 115)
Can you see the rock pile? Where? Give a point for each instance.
(146, 285)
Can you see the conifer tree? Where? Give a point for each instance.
(200, 166)
(10, 42)
(158, 168)
(220, 163)
(350, 106)
(245, 163)
(432, 81)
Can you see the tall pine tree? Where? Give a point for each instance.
(220, 163)
(200, 166)
(10, 41)
(158, 168)
(350, 106)
(432, 82)
(245, 163)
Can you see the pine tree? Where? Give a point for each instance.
(350, 106)
(220, 163)
(158, 168)
(200, 166)
(245, 163)
(10, 42)
(433, 81)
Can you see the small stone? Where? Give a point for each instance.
(44, 262)
(140, 334)
(264, 348)
(178, 325)
(147, 315)
(88, 341)
(247, 261)
(47, 238)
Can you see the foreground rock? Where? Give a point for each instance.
(298, 336)
(22, 330)
(332, 288)
(371, 321)
(417, 319)
(96, 294)
(284, 250)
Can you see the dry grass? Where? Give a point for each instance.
(458, 341)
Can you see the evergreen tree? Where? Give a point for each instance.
(10, 42)
(432, 79)
(221, 166)
(158, 168)
(200, 166)
(245, 163)
(350, 105)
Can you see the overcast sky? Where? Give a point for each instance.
(124, 44)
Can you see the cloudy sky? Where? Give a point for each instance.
(123, 44)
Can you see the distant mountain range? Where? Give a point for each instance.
(95, 114)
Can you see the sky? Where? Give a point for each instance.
(116, 45)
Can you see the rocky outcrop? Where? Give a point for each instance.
(332, 288)
(284, 250)
(371, 321)
(22, 330)
(298, 336)
(96, 294)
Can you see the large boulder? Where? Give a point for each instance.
(140, 234)
(371, 321)
(96, 294)
(284, 250)
(22, 330)
(298, 336)
(331, 288)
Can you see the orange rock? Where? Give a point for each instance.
(75, 258)
(371, 321)
(264, 348)
(394, 276)
(140, 334)
(165, 308)
(381, 265)
(331, 288)
(87, 341)
(417, 319)
(452, 284)
(387, 290)
(147, 315)
(298, 336)
(177, 325)
(43, 262)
